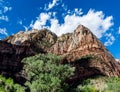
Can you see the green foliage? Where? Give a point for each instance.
(45, 74)
(7, 85)
(113, 84)
(100, 84)
(87, 88)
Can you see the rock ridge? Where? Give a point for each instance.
(72, 47)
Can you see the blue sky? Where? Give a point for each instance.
(61, 16)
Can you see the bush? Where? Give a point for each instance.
(7, 85)
(100, 84)
(113, 84)
(87, 88)
(45, 74)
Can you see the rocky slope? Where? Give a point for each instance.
(80, 49)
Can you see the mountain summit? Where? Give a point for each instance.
(81, 43)
(81, 49)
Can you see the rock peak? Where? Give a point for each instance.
(84, 43)
(81, 49)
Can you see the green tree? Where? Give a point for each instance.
(45, 74)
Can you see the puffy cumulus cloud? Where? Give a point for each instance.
(110, 39)
(41, 20)
(3, 31)
(96, 21)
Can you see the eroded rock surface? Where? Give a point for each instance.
(81, 49)
(81, 43)
(39, 40)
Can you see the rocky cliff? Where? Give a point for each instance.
(10, 59)
(81, 43)
(80, 49)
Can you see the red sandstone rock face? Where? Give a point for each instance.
(81, 43)
(81, 49)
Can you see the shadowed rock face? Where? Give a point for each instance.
(10, 59)
(81, 49)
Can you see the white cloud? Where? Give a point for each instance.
(78, 11)
(20, 22)
(110, 39)
(41, 20)
(118, 60)
(6, 9)
(94, 20)
(3, 31)
(4, 18)
(51, 4)
(28, 27)
(31, 24)
(64, 7)
(3, 10)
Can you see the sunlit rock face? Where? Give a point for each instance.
(39, 40)
(73, 46)
(81, 49)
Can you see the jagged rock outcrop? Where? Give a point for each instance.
(81, 49)
(39, 40)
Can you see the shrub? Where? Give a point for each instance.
(100, 84)
(45, 74)
(7, 85)
(113, 84)
(87, 88)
